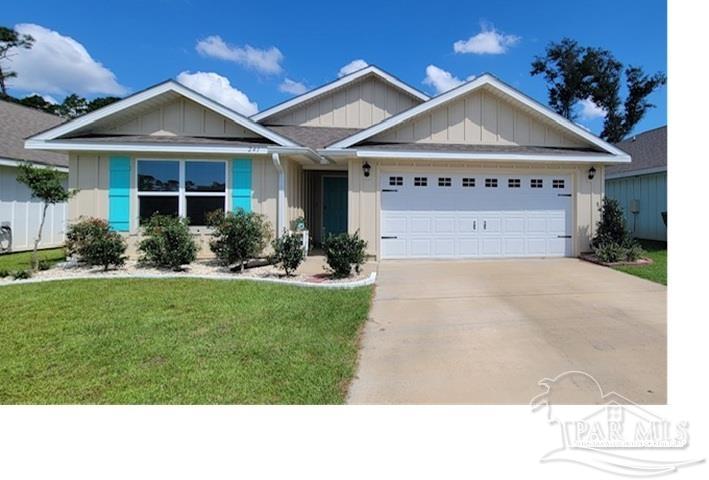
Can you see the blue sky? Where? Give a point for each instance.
(134, 44)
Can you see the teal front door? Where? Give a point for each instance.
(334, 205)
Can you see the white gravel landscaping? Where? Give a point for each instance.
(205, 269)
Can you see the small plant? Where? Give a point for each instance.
(44, 264)
(288, 252)
(168, 243)
(612, 242)
(93, 241)
(238, 236)
(4, 273)
(344, 251)
(22, 274)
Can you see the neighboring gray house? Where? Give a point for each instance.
(641, 186)
(19, 213)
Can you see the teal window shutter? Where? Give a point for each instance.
(119, 193)
(241, 184)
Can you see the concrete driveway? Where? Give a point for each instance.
(485, 332)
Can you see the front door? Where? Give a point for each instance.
(334, 205)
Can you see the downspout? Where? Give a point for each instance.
(281, 203)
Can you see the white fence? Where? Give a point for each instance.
(22, 214)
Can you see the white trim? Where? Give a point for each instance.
(168, 86)
(9, 162)
(371, 69)
(485, 79)
(504, 157)
(142, 147)
(636, 173)
(281, 201)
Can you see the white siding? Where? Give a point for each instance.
(360, 104)
(480, 118)
(23, 214)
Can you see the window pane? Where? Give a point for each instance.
(151, 205)
(205, 177)
(199, 207)
(158, 176)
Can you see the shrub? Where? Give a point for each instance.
(4, 273)
(93, 241)
(22, 275)
(344, 251)
(611, 252)
(238, 236)
(611, 228)
(168, 242)
(288, 252)
(635, 252)
(43, 264)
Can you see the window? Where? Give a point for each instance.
(514, 183)
(396, 181)
(491, 182)
(444, 181)
(192, 189)
(536, 183)
(420, 181)
(468, 182)
(556, 183)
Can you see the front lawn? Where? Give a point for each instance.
(657, 271)
(177, 341)
(22, 260)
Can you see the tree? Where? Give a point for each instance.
(46, 184)
(100, 102)
(36, 101)
(574, 73)
(73, 106)
(10, 39)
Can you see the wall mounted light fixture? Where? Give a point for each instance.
(591, 173)
(366, 168)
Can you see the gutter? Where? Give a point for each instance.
(281, 202)
(8, 162)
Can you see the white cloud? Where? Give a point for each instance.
(262, 60)
(219, 89)
(488, 41)
(291, 86)
(442, 80)
(590, 110)
(352, 67)
(59, 64)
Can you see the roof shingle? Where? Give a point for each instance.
(18, 122)
(648, 150)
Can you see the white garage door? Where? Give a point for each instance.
(475, 215)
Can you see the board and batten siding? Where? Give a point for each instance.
(23, 214)
(650, 195)
(479, 118)
(360, 104)
(181, 117)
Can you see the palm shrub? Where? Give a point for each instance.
(168, 242)
(93, 241)
(288, 252)
(238, 236)
(612, 241)
(344, 251)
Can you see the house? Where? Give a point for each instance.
(641, 186)
(479, 171)
(20, 214)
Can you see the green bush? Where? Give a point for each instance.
(43, 264)
(93, 241)
(22, 275)
(238, 236)
(344, 251)
(288, 252)
(4, 273)
(612, 241)
(168, 243)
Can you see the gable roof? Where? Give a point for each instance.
(648, 150)
(18, 122)
(485, 80)
(81, 123)
(340, 82)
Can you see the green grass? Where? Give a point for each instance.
(177, 341)
(657, 271)
(22, 260)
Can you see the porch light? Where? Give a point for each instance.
(366, 168)
(591, 173)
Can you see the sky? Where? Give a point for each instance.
(252, 55)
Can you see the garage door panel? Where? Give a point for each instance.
(464, 222)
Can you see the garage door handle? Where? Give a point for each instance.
(563, 236)
(389, 238)
(563, 194)
(484, 224)
(389, 190)
(474, 225)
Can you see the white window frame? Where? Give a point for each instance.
(181, 192)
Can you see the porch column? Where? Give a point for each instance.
(281, 203)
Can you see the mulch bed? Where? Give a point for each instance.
(591, 257)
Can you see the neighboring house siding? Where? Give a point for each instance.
(650, 195)
(23, 214)
(358, 105)
(480, 118)
(181, 117)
